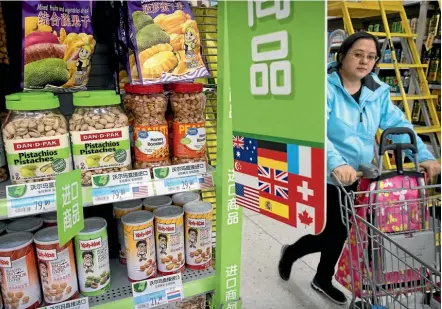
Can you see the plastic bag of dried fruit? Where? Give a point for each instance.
(3, 51)
(58, 44)
(166, 42)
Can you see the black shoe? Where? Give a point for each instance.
(330, 291)
(283, 268)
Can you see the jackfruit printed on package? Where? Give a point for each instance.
(166, 43)
(58, 45)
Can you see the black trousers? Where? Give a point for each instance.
(330, 242)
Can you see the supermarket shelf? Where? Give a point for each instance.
(120, 294)
(398, 97)
(402, 66)
(397, 35)
(434, 86)
(426, 130)
(33, 206)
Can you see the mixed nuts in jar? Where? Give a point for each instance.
(189, 132)
(100, 134)
(36, 138)
(149, 105)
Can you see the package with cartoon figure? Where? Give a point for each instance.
(57, 46)
(166, 42)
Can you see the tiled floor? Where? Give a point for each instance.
(261, 287)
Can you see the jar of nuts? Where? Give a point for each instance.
(189, 132)
(100, 134)
(151, 140)
(127, 103)
(36, 138)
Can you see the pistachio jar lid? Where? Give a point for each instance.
(30, 101)
(96, 98)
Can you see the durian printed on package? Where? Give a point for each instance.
(57, 44)
(166, 42)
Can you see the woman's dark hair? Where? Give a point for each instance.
(348, 43)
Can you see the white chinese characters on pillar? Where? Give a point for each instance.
(232, 208)
(231, 282)
(269, 64)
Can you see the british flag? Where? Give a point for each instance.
(273, 181)
(238, 142)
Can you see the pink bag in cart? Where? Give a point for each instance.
(398, 212)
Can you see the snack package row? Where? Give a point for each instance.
(163, 42)
(53, 44)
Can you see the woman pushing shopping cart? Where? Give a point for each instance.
(392, 257)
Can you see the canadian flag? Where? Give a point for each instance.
(306, 187)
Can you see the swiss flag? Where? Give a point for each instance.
(309, 191)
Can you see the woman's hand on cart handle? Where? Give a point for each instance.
(431, 167)
(346, 174)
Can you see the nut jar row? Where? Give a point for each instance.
(147, 107)
(40, 143)
(37, 141)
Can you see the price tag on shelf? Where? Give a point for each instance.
(30, 198)
(106, 195)
(174, 185)
(157, 292)
(31, 205)
(122, 186)
(121, 193)
(180, 170)
(35, 189)
(121, 178)
(81, 303)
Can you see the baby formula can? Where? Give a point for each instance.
(120, 209)
(57, 266)
(92, 256)
(169, 239)
(198, 234)
(139, 239)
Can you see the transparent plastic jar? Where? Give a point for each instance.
(36, 138)
(189, 132)
(100, 134)
(149, 105)
(127, 103)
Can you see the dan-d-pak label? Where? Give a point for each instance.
(42, 158)
(101, 148)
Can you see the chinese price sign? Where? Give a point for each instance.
(158, 291)
(122, 186)
(31, 198)
(69, 205)
(81, 303)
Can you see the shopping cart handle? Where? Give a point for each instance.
(369, 171)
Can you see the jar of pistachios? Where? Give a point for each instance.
(36, 138)
(99, 134)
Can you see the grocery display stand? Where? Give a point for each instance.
(219, 132)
